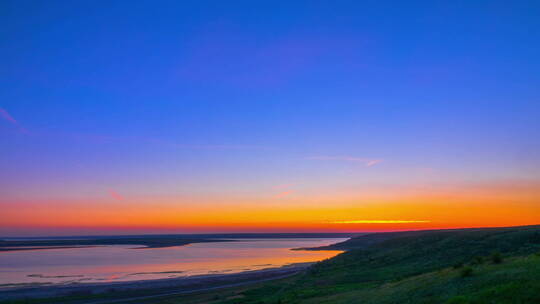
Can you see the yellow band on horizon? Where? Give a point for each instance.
(379, 222)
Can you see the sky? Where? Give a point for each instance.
(267, 116)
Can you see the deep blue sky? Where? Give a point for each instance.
(221, 97)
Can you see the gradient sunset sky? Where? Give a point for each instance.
(264, 116)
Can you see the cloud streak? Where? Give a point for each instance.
(284, 194)
(4, 114)
(102, 139)
(368, 162)
(115, 195)
(380, 222)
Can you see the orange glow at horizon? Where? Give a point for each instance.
(380, 222)
(508, 205)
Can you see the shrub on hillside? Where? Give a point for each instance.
(466, 272)
(535, 238)
(458, 300)
(477, 260)
(496, 258)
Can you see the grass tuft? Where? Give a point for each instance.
(466, 272)
(496, 258)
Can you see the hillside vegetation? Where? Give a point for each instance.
(495, 265)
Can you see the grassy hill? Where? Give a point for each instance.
(494, 265)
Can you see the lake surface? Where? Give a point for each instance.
(124, 263)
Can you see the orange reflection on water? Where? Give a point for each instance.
(122, 263)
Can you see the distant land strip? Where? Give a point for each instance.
(148, 241)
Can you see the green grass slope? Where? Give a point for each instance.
(513, 281)
(445, 266)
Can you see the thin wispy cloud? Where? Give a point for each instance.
(284, 194)
(380, 222)
(368, 162)
(117, 196)
(373, 162)
(4, 114)
(104, 139)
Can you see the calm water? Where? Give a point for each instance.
(123, 263)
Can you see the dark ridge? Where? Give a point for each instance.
(369, 240)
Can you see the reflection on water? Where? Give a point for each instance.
(123, 263)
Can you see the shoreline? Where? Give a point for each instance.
(6, 246)
(7, 249)
(154, 287)
(149, 241)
